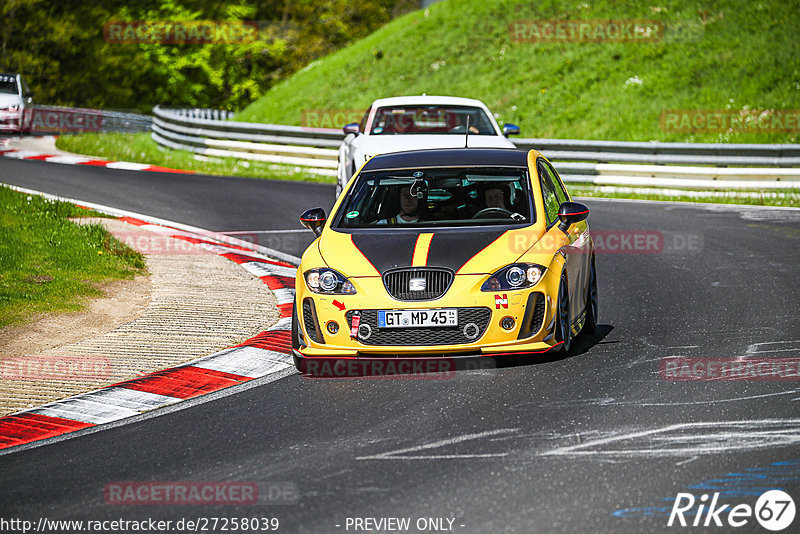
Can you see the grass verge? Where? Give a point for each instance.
(140, 148)
(50, 264)
(786, 197)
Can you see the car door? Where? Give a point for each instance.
(554, 195)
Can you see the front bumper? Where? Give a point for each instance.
(531, 310)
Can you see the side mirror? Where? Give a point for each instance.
(510, 129)
(571, 212)
(313, 219)
(351, 128)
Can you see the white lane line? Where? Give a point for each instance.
(83, 409)
(70, 160)
(396, 454)
(127, 165)
(251, 362)
(267, 269)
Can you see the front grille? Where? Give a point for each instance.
(310, 320)
(437, 281)
(453, 335)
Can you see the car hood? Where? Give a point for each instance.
(463, 250)
(383, 144)
(7, 100)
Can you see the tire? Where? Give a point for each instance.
(563, 330)
(295, 338)
(591, 302)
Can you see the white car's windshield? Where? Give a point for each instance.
(8, 85)
(438, 197)
(431, 119)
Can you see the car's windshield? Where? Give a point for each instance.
(8, 84)
(431, 119)
(438, 197)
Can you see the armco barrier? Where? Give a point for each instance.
(706, 165)
(60, 119)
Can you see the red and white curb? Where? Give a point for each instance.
(264, 354)
(83, 160)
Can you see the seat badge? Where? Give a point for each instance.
(416, 284)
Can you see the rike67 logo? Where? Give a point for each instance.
(774, 510)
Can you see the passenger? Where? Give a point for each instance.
(409, 209)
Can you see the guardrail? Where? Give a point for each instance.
(206, 132)
(62, 119)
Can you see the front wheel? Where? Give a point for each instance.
(563, 330)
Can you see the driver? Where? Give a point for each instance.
(494, 195)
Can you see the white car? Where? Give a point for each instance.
(418, 122)
(15, 103)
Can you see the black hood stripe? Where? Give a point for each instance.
(449, 249)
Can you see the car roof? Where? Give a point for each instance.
(427, 100)
(449, 157)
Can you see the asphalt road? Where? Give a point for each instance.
(600, 441)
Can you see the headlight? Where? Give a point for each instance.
(328, 281)
(515, 276)
(15, 107)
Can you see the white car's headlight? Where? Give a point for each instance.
(14, 107)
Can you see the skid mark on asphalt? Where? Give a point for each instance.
(690, 439)
(402, 454)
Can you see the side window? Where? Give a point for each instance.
(362, 126)
(551, 202)
(561, 191)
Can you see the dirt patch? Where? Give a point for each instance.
(124, 301)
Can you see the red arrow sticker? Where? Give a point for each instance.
(339, 305)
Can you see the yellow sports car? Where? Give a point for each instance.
(446, 253)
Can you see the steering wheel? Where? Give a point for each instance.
(499, 211)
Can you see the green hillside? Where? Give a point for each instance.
(724, 55)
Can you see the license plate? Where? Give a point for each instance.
(412, 318)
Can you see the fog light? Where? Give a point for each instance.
(507, 323)
(332, 327)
